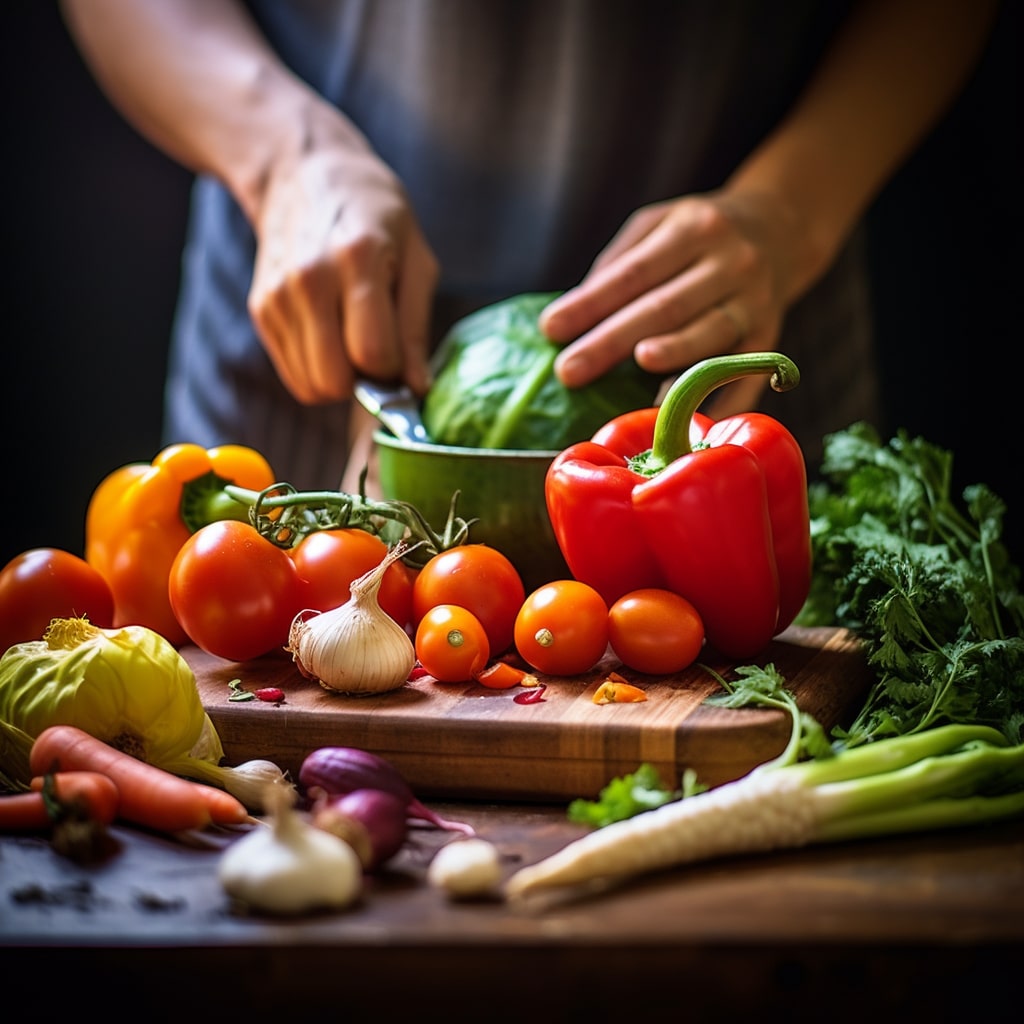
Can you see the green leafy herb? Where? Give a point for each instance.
(624, 797)
(766, 687)
(925, 583)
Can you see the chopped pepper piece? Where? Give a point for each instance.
(615, 690)
(500, 675)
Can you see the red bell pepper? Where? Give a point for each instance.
(715, 511)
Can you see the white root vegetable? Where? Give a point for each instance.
(466, 868)
(948, 776)
(356, 648)
(290, 867)
(752, 814)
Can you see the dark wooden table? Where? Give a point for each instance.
(930, 925)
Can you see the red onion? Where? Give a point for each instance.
(371, 821)
(335, 771)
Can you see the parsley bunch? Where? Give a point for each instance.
(923, 580)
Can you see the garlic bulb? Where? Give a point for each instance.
(289, 866)
(358, 648)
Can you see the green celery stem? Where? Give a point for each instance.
(684, 398)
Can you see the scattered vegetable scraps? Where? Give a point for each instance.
(533, 695)
(500, 675)
(270, 694)
(615, 690)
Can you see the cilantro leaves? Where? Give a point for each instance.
(923, 580)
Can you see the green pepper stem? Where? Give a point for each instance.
(684, 398)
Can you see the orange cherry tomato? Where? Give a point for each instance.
(452, 644)
(562, 628)
(655, 631)
(480, 579)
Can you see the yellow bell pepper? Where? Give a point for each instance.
(140, 515)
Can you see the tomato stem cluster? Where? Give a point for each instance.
(284, 516)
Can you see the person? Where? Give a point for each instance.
(691, 177)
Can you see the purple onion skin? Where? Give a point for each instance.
(336, 771)
(381, 814)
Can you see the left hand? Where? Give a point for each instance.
(682, 280)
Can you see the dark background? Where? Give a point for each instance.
(94, 224)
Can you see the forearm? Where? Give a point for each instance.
(198, 80)
(893, 71)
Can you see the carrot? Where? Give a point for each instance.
(88, 796)
(96, 794)
(150, 796)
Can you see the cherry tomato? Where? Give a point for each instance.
(234, 593)
(328, 561)
(480, 579)
(655, 631)
(562, 628)
(452, 644)
(47, 583)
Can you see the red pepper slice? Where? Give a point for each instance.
(716, 511)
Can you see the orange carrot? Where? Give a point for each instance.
(87, 796)
(96, 794)
(150, 796)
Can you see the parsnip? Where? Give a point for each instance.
(948, 776)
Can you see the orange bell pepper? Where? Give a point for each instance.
(140, 516)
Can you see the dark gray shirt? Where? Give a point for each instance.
(525, 132)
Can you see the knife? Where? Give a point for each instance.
(396, 406)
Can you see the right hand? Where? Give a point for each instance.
(344, 279)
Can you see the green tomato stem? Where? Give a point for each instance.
(285, 515)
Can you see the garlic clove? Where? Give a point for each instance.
(466, 868)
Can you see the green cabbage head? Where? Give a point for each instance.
(496, 386)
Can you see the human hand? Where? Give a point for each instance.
(682, 280)
(344, 279)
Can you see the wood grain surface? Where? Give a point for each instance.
(463, 741)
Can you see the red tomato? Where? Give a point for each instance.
(451, 643)
(655, 631)
(329, 560)
(478, 578)
(562, 628)
(234, 592)
(47, 583)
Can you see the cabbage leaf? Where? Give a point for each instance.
(496, 385)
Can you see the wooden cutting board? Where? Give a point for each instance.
(465, 741)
